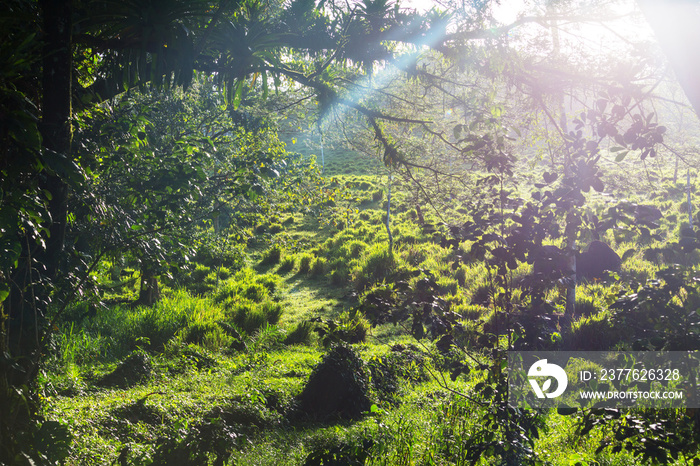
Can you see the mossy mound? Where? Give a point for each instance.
(135, 369)
(337, 388)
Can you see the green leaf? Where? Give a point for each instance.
(237, 96)
(4, 291)
(621, 156)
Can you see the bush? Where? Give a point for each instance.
(305, 263)
(272, 256)
(349, 328)
(287, 264)
(403, 362)
(586, 306)
(224, 273)
(318, 266)
(373, 267)
(246, 283)
(275, 228)
(340, 276)
(593, 333)
(199, 282)
(352, 249)
(461, 275)
(252, 316)
(302, 333)
(209, 335)
(247, 302)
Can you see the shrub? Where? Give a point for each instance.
(288, 221)
(224, 273)
(318, 266)
(373, 267)
(469, 311)
(252, 316)
(461, 275)
(199, 273)
(275, 228)
(272, 256)
(586, 306)
(305, 263)
(340, 276)
(593, 333)
(247, 284)
(209, 335)
(302, 333)
(199, 280)
(269, 281)
(349, 328)
(447, 285)
(286, 264)
(352, 249)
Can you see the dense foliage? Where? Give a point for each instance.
(164, 219)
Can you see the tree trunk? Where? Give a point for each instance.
(38, 266)
(571, 287)
(55, 126)
(149, 294)
(25, 305)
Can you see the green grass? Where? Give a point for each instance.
(231, 354)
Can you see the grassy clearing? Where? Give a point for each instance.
(231, 347)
